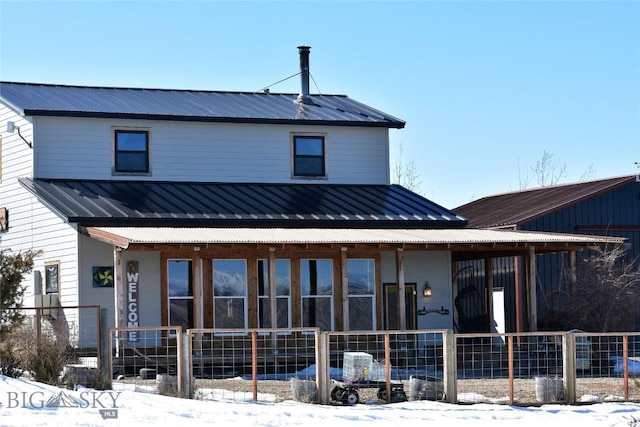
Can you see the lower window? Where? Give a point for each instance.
(229, 293)
(180, 293)
(361, 274)
(283, 293)
(316, 280)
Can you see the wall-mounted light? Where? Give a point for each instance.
(427, 291)
(11, 127)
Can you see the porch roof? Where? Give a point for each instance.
(464, 242)
(125, 203)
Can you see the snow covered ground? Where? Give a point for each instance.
(27, 403)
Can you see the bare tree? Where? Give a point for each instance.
(590, 173)
(548, 172)
(603, 297)
(405, 173)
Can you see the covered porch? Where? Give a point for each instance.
(405, 261)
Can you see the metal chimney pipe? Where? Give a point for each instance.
(304, 97)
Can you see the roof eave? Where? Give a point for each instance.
(263, 223)
(87, 114)
(103, 236)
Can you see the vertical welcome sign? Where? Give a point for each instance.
(133, 280)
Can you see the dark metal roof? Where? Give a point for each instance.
(32, 99)
(195, 204)
(518, 207)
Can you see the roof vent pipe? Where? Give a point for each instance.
(304, 97)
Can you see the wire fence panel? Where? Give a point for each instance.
(378, 367)
(147, 359)
(607, 366)
(269, 365)
(386, 366)
(510, 368)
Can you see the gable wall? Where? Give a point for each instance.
(209, 152)
(31, 225)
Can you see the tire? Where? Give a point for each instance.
(336, 393)
(351, 397)
(382, 394)
(399, 396)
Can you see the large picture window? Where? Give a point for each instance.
(230, 293)
(361, 275)
(283, 293)
(131, 151)
(309, 156)
(180, 293)
(316, 281)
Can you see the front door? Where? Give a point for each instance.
(391, 313)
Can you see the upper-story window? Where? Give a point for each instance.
(309, 155)
(131, 149)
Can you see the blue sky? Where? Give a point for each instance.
(486, 87)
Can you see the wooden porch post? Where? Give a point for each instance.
(533, 298)
(517, 268)
(196, 266)
(198, 309)
(345, 289)
(488, 274)
(118, 295)
(573, 278)
(273, 297)
(402, 320)
(119, 288)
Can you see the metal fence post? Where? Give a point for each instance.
(450, 371)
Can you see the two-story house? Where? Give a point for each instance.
(216, 209)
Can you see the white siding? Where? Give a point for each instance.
(16, 154)
(31, 225)
(433, 266)
(149, 287)
(97, 254)
(93, 253)
(209, 152)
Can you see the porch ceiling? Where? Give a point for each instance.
(464, 243)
